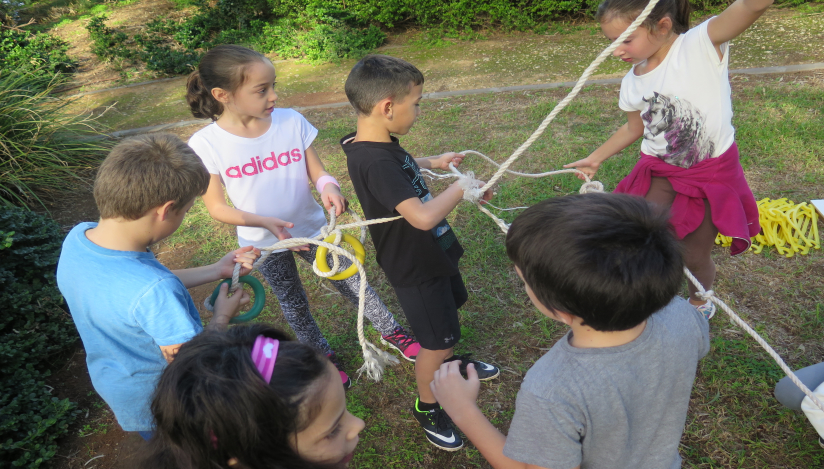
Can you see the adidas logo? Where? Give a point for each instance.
(257, 165)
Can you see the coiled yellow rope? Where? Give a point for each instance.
(791, 228)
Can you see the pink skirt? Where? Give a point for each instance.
(718, 180)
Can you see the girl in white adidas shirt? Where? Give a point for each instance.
(263, 156)
(677, 96)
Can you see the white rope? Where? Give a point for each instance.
(709, 295)
(374, 359)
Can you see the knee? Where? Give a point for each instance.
(788, 394)
(699, 263)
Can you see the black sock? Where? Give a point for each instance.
(425, 406)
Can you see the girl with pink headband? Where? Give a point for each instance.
(250, 397)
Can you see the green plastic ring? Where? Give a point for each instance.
(257, 289)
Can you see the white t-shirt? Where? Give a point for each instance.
(265, 175)
(685, 102)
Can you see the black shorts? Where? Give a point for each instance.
(431, 308)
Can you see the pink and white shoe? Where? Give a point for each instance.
(344, 378)
(403, 342)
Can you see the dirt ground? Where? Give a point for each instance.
(92, 73)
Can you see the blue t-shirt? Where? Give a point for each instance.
(125, 305)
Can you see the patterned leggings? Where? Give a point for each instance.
(281, 272)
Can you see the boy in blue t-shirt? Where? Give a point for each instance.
(133, 313)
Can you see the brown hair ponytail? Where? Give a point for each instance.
(222, 67)
(200, 99)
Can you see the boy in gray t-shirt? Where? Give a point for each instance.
(614, 391)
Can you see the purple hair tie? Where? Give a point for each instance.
(264, 354)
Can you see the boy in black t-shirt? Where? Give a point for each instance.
(419, 252)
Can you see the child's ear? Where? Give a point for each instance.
(565, 318)
(221, 95)
(384, 107)
(165, 210)
(664, 26)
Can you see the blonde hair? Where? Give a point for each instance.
(145, 172)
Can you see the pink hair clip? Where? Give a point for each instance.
(264, 354)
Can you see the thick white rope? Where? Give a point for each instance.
(572, 94)
(709, 295)
(374, 359)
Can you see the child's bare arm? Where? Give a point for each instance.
(622, 138)
(330, 194)
(457, 396)
(169, 351)
(227, 307)
(216, 204)
(735, 20)
(440, 161)
(221, 269)
(425, 216)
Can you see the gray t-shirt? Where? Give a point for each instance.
(616, 407)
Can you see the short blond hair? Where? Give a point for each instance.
(145, 172)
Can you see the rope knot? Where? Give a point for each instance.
(326, 231)
(591, 186)
(705, 295)
(471, 187)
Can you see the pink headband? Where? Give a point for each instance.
(264, 354)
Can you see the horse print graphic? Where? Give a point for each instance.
(682, 126)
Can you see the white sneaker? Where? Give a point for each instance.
(707, 309)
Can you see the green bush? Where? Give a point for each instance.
(321, 33)
(107, 43)
(154, 49)
(21, 50)
(41, 148)
(33, 329)
(160, 57)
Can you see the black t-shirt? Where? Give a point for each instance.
(384, 175)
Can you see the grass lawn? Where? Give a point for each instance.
(734, 422)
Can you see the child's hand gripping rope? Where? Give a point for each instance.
(375, 359)
(237, 264)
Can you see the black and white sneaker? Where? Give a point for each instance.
(485, 370)
(439, 429)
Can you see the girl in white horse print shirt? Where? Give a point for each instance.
(677, 96)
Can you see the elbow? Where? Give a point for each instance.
(211, 209)
(423, 223)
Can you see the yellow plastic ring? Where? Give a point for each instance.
(323, 266)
